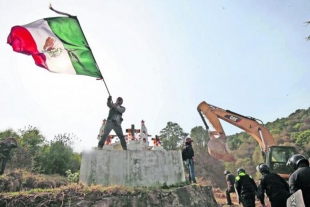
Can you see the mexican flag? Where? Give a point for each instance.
(56, 44)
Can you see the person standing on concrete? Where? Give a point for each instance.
(246, 188)
(114, 121)
(300, 178)
(230, 181)
(189, 158)
(276, 188)
(101, 130)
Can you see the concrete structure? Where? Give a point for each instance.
(131, 167)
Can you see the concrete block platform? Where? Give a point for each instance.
(131, 167)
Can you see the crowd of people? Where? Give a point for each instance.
(271, 184)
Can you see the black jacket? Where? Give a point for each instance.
(276, 187)
(115, 113)
(245, 184)
(188, 152)
(300, 179)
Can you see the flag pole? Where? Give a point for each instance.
(87, 45)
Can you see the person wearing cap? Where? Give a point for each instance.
(230, 181)
(101, 130)
(189, 157)
(114, 121)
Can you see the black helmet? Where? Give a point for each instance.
(240, 170)
(295, 160)
(263, 168)
(226, 172)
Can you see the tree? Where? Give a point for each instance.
(234, 141)
(8, 133)
(172, 136)
(303, 141)
(30, 141)
(58, 156)
(205, 165)
(199, 136)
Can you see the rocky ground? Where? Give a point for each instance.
(25, 189)
(113, 196)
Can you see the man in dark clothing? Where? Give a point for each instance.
(246, 188)
(5, 149)
(189, 158)
(230, 181)
(300, 179)
(276, 187)
(114, 121)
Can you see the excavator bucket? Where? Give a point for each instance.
(219, 151)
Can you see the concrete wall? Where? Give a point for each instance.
(131, 167)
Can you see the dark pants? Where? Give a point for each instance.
(3, 160)
(248, 200)
(279, 201)
(228, 191)
(118, 130)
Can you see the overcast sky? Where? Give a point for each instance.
(163, 57)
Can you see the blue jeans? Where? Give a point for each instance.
(191, 169)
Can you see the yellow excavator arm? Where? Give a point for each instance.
(275, 156)
(217, 146)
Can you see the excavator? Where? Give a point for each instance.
(275, 156)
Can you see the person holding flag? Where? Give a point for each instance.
(114, 122)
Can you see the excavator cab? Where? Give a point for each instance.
(277, 157)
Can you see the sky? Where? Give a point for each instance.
(163, 57)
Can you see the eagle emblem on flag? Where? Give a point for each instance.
(51, 48)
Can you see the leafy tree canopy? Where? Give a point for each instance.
(172, 136)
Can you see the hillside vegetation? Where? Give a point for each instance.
(291, 131)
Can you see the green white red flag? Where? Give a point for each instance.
(56, 44)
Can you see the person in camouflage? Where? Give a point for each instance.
(5, 149)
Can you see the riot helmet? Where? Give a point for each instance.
(240, 170)
(263, 168)
(226, 172)
(295, 160)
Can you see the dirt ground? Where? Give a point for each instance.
(220, 198)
